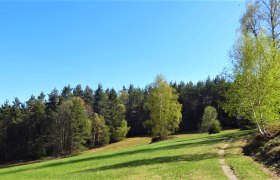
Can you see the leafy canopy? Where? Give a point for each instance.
(165, 110)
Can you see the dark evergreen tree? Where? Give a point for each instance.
(116, 118)
(101, 102)
(35, 135)
(5, 121)
(78, 91)
(88, 98)
(66, 94)
(53, 100)
(41, 97)
(135, 112)
(51, 123)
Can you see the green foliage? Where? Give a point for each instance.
(215, 127)
(209, 122)
(35, 116)
(100, 132)
(40, 127)
(101, 104)
(254, 94)
(115, 118)
(87, 96)
(66, 94)
(73, 125)
(165, 110)
(194, 97)
(121, 131)
(78, 91)
(135, 111)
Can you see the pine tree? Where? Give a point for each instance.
(78, 91)
(135, 111)
(101, 102)
(116, 118)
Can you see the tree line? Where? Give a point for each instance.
(65, 122)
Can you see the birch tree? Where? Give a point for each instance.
(255, 92)
(165, 110)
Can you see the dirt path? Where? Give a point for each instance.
(227, 170)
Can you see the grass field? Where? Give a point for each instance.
(188, 156)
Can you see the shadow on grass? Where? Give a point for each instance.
(153, 161)
(211, 139)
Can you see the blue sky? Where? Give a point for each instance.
(46, 45)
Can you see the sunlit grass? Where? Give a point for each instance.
(244, 166)
(190, 156)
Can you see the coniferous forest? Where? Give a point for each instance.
(67, 121)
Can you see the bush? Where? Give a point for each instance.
(215, 127)
(209, 122)
(120, 133)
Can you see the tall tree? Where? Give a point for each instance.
(5, 120)
(51, 122)
(135, 111)
(53, 100)
(100, 133)
(116, 118)
(73, 125)
(78, 91)
(101, 102)
(262, 16)
(88, 98)
(80, 124)
(165, 110)
(254, 94)
(66, 94)
(35, 115)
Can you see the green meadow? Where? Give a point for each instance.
(187, 156)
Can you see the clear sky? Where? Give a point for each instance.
(46, 45)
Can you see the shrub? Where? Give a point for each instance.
(215, 127)
(209, 122)
(120, 132)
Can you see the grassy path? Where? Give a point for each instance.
(227, 170)
(189, 156)
(245, 167)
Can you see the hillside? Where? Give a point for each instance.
(188, 156)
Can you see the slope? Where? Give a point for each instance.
(188, 156)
